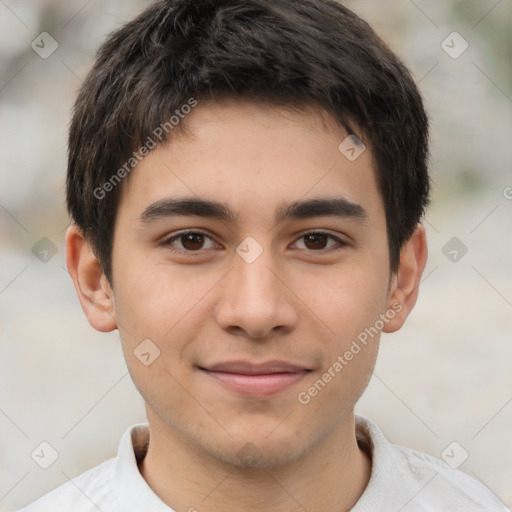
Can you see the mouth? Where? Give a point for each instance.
(256, 380)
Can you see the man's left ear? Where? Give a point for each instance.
(406, 281)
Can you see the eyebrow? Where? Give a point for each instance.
(193, 206)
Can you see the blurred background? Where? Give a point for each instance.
(445, 377)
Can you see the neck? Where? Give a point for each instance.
(330, 477)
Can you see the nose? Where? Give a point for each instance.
(256, 300)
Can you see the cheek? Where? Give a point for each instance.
(350, 298)
(152, 297)
(165, 305)
(155, 308)
(350, 304)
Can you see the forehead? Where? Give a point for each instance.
(255, 157)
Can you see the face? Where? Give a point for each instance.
(252, 308)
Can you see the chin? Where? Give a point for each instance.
(259, 450)
(250, 456)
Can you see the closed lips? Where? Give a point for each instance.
(246, 368)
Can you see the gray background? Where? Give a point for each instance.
(446, 376)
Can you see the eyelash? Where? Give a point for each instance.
(168, 241)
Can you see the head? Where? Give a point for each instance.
(292, 144)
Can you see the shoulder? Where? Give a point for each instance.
(87, 492)
(440, 485)
(406, 479)
(112, 486)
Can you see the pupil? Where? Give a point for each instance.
(317, 239)
(192, 241)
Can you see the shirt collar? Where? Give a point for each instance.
(384, 465)
(134, 493)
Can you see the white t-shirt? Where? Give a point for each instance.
(401, 480)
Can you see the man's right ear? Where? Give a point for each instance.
(94, 292)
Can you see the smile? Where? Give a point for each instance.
(256, 380)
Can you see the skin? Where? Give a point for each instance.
(296, 302)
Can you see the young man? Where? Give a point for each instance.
(246, 181)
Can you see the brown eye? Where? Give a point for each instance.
(192, 241)
(189, 242)
(320, 241)
(316, 240)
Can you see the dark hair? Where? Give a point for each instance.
(281, 52)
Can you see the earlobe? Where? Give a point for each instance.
(405, 286)
(93, 290)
